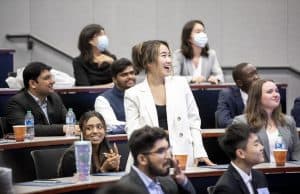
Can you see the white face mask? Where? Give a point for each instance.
(200, 39)
(102, 43)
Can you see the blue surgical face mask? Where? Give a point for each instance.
(200, 39)
(102, 43)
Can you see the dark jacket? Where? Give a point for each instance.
(296, 111)
(230, 104)
(231, 182)
(168, 185)
(20, 103)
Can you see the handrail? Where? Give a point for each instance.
(31, 38)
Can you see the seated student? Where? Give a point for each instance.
(232, 100)
(104, 158)
(242, 146)
(92, 66)
(296, 111)
(263, 113)
(152, 161)
(111, 103)
(39, 97)
(195, 60)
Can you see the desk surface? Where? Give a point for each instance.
(100, 181)
(37, 142)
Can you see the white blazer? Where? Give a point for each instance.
(182, 115)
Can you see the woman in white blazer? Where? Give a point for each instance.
(164, 100)
(194, 60)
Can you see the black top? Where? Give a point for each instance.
(87, 74)
(162, 116)
(67, 164)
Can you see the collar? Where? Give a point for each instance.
(244, 96)
(146, 179)
(117, 91)
(246, 178)
(38, 101)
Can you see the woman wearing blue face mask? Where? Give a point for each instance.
(92, 66)
(195, 60)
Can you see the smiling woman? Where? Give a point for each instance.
(104, 158)
(163, 100)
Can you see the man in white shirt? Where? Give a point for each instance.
(151, 152)
(111, 103)
(242, 146)
(232, 100)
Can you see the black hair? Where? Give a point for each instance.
(32, 71)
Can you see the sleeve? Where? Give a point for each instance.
(103, 107)
(67, 166)
(15, 113)
(216, 68)
(195, 123)
(81, 77)
(132, 113)
(223, 114)
(178, 63)
(295, 138)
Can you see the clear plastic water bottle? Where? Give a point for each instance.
(29, 122)
(279, 143)
(70, 122)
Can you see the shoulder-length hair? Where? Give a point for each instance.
(256, 115)
(186, 46)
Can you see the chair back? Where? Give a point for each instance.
(46, 162)
(6, 181)
(3, 127)
(211, 189)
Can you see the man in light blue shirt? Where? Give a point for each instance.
(152, 156)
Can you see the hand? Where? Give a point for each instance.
(205, 160)
(178, 176)
(104, 58)
(213, 79)
(198, 79)
(113, 160)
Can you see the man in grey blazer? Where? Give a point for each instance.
(242, 146)
(39, 97)
(152, 160)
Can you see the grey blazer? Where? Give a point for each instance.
(210, 66)
(289, 134)
(168, 185)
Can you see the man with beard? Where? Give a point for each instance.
(38, 96)
(241, 144)
(152, 156)
(111, 103)
(232, 100)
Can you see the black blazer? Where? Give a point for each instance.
(231, 182)
(20, 103)
(230, 104)
(168, 185)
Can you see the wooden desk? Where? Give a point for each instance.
(195, 174)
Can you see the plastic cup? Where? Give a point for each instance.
(83, 154)
(280, 156)
(19, 132)
(182, 159)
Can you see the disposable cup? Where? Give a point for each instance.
(19, 132)
(182, 160)
(280, 156)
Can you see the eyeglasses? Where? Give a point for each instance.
(97, 126)
(160, 151)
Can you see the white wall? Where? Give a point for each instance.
(263, 32)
